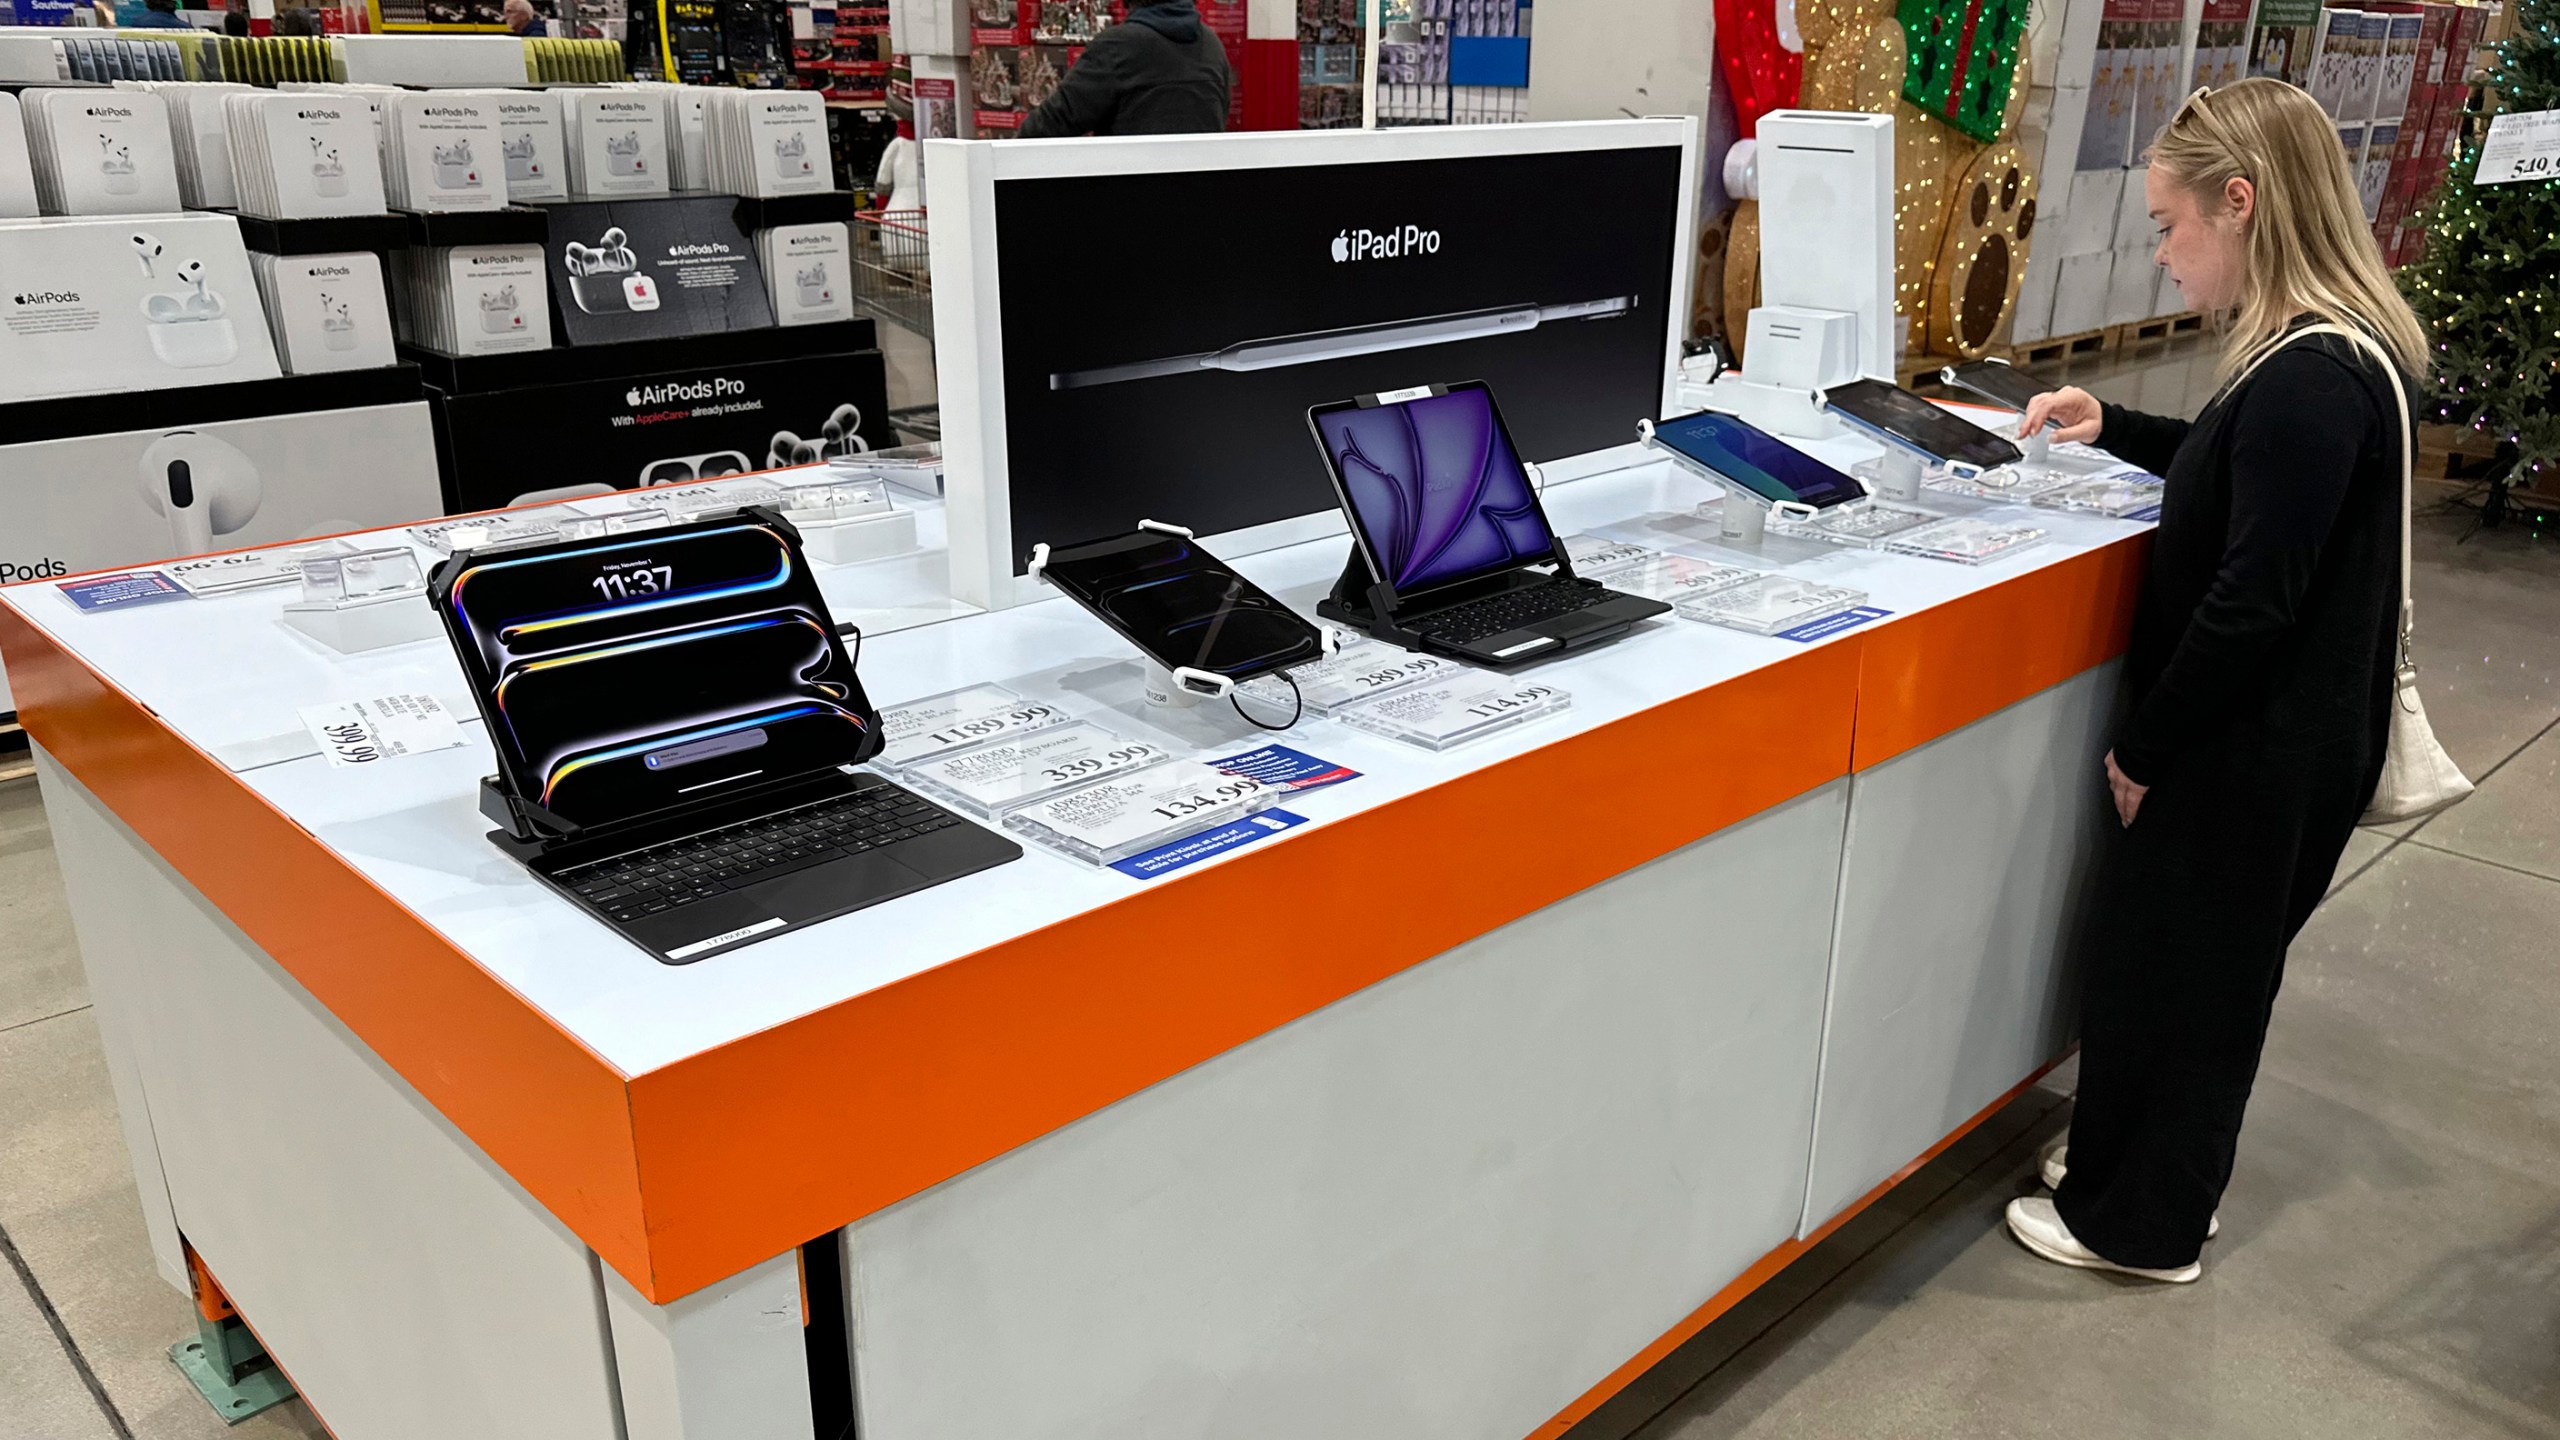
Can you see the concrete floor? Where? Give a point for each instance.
(2390, 1259)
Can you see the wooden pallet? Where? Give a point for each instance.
(2159, 327)
(15, 762)
(2052, 349)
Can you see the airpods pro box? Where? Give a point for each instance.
(639, 269)
(132, 303)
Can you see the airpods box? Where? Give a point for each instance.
(808, 272)
(17, 176)
(128, 304)
(617, 144)
(328, 312)
(633, 270)
(532, 144)
(101, 152)
(444, 152)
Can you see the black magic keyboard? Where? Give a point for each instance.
(1511, 610)
(647, 882)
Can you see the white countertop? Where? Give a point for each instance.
(229, 676)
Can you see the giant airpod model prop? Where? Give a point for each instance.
(202, 485)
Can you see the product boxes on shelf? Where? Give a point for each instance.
(2373, 175)
(303, 156)
(2399, 66)
(468, 300)
(100, 152)
(2222, 44)
(2088, 223)
(808, 270)
(532, 145)
(17, 174)
(627, 270)
(2115, 85)
(765, 143)
(617, 144)
(328, 312)
(2284, 40)
(126, 304)
(442, 152)
(2080, 292)
(2333, 57)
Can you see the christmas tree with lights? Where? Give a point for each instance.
(2489, 284)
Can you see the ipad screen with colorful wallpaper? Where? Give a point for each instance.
(1434, 487)
(629, 674)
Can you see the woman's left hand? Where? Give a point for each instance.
(2128, 795)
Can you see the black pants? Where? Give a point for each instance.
(2196, 904)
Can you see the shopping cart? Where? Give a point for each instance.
(893, 283)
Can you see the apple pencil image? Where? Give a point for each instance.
(1352, 340)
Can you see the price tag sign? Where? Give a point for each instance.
(1005, 773)
(2522, 145)
(1118, 817)
(975, 715)
(1362, 668)
(1441, 715)
(249, 569)
(367, 732)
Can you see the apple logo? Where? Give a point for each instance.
(632, 399)
(1341, 247)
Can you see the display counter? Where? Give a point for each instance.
(1438, 1114)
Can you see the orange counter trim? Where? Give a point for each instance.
(550, 1111)
(928, 1077)
(718, 1162)
(1943, 668)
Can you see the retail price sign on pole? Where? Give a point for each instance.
(2522, 145)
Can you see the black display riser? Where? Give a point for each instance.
(513, 225)
(635, 359)
(65, 416)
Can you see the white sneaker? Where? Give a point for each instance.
(2050, 1165)
(2033, 1220)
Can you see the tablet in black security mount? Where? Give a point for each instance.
(1181, 606)
(678, 729)
(1898, 417)
(1449, 535)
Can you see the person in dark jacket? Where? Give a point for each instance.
(158, 15)
(2261, 669)
(1159, 72)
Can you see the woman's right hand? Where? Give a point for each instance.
(2072, 408)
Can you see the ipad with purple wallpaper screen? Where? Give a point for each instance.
(1434, 489)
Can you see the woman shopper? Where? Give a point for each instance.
(2261, 668)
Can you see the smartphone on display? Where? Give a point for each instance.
(1894, 414)
(1751, 462)
(2000, 383)
(1181, 606)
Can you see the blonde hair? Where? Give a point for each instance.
(2310, 251)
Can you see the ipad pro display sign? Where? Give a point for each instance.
(1231, 300)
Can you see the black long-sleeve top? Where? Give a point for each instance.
(2271, 613)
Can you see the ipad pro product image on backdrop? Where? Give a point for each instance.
(1378, 339)
(1444, 515)
(1898, 417)
(1752, 463)
(677, 725)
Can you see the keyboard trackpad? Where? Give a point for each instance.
(1583, 622)
(829, 888)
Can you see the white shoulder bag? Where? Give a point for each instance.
(2418, 778)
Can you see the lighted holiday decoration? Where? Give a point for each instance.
(1963, 56)
(2488, 285)
(1761, 73)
